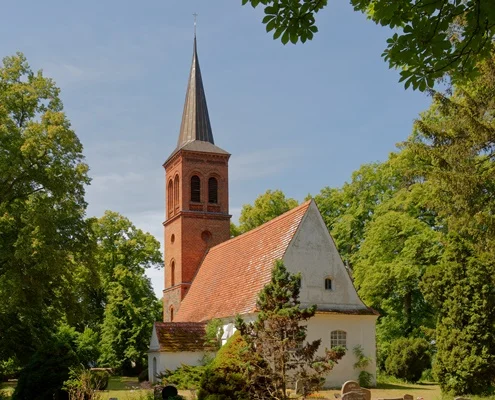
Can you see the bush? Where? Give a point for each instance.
(225, 378)
(408, 358)
(143, 376)
(185, 377)
(44, 375)
(99, 379)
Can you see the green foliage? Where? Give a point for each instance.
(267, 206)
(408, 358)
(362, 362)
(396, 251)
(9, 369)
(213, 334)
(431, 40)
(44, 241)
(47, 370)
(99, 379)
(348, 210)
(277, 339)
(452, 148)
(226, 377)
(83, 383)
(186, 377)
(123, 254)
(85, 344)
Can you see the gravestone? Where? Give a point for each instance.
(353, 395)
(168, 392)
(353, 386)
(408, 397)
(349, 386)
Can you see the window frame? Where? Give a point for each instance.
(195, 182)
(338, 337)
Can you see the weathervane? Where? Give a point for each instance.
(195, 15)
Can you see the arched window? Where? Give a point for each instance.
(171, 314)
(195, 189)
(155, 370)
(170, 197)
(338, 338)
(328, 284)
(212, 190)
(172, 273)
(176, 191)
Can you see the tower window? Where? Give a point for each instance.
(195, 189)
(328, 284)
(171, 314)
(172, 273)
(338, 338)
(170, 197)
(212, 190)
(176, 191)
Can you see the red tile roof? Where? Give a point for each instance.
(177, 336)
(233, 272)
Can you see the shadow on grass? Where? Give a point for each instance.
(406, 386)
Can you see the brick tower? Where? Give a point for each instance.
(197, 196)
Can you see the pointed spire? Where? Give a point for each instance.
(195, 119)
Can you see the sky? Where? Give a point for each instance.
(295, 117)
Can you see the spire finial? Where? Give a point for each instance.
(195, 16)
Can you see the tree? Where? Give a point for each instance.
(267, 206)
(388, 269)
(124, 253)
(347, 210)
(452, 148)
(44, 236)
(277, 338)
(434, 39)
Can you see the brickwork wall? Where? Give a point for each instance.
(191, 228)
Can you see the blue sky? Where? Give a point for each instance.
(295, 118)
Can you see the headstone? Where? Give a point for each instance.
(366, 393)
(462, 398)
(349, 386)
(169, 391)
(408, 397)
(353, 395)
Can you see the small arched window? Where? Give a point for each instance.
(170, 197)
(195, 189)
(212, 190)
(171, 314)
(172, 273)
(338, 338)
(328, 284)
(176, 191)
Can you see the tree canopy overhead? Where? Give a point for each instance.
(433, 38)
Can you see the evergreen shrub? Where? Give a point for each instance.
(44, 375)
(408, 358)
(225, 377)
(186, 377)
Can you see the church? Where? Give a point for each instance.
(209, 275)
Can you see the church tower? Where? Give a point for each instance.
(197, 196)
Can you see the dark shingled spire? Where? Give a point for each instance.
(195, 120)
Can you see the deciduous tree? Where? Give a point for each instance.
(43, 233)
(124, 253)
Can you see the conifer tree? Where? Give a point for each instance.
(278, 338)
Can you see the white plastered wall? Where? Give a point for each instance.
(160, 361)
(360, 330)
(313, 253)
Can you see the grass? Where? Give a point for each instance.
(123, 388)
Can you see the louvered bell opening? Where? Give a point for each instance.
(195, 189)
(212, 191)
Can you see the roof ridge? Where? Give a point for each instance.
(262, 226)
